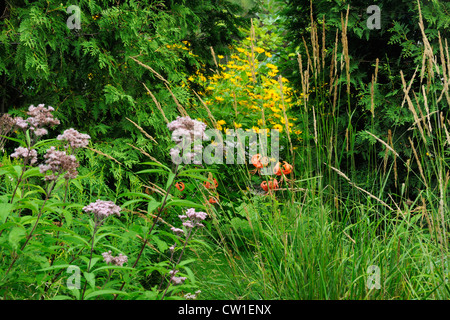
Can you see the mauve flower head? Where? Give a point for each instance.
(74, 138)
(102, 209)
(118, 261)
(25, 153)
(107, 257)
(40, 132)
(41, 116)
(6, 123)
(178, 280)
(20, 122)
(190, 296)
(187, 127)
(177, 231)
(188, 224)
(192, 218)
(59, 162)
(184, 132)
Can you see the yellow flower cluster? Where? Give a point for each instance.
(246, 91)
(185, 46)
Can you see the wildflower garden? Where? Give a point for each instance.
(126, 172)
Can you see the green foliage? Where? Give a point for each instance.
(89, 75)
(399, 48)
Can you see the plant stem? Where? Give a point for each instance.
(96, 226)
(154, 223)
(179, 259)
(34, 227)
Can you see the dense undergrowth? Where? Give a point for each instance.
(349, 212)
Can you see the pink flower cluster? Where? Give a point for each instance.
(26, 154)
(192, 219)
(74, 138)
(192, 296)
(59, 162)
(186, 131)
(117, 261)
(176, 280)
(102, 209)
(177, 231)
(39, 117)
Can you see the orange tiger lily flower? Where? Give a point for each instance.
(179, 185)
(272, 185)
(256, 161)
(209, 185)
(212, 200)
(286, 168)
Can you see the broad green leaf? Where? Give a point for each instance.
(77, 184)
(136, 194)
(33, 172)
(21, 142)
(68, 217)
(126, 204)
(90, 277)
(170, 179)
(60, 266)
(162, 245)
(45, 142)
(185, 203)
(15, 236)
(74, 239)
(152, 206)
(5, 211)
(6, 225)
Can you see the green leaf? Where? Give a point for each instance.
(43, 143)
(15, 236)
(157, 164)
(185, 203)
(126, 204)
(136, 194)
(152, 206)
(170, 179)
(22, 143)
(103, 292)
(90, 277)
(62, 297)
(162, 245)
(152, 171)
(5, 211)
(60, 266)
(74, 239)
(68, 217)
(33, 172)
